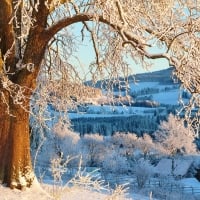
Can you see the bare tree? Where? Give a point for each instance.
(30, 30)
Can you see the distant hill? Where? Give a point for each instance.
(161, 76)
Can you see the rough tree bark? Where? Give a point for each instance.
(15, 159)
(4, 135)
(17, 170)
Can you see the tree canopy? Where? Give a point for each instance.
(117, 29)
(35, 35)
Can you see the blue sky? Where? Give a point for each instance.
(86, 55)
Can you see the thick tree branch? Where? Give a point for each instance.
(83, 17)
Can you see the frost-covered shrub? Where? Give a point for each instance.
(115, 163)
(130, 145)
(81, 183)
(93, 149)
(146, 145)
(143, 171)
(124, 143)
(67, 139)
(126, 139)
(59, 142)
(175, 136)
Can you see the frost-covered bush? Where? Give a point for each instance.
(143, 171)
(126, 139)
(67, 143)
(146, 145)
(124, 143)
(58, 142)
(93, 149)
(67, 140)
(175, 136)
(132, 146)
(84, 183)
(115, 163)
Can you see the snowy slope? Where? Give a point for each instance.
(169, 97)
(161, 93)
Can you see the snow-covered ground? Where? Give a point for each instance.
(49, 192)
(170, 97)
(110, 111)
(33, 193)
(191, 185)
(138, 86)
(164, 94)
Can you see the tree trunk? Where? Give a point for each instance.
(4, 133)
(16, 167)
(15, 159)
(20, 172)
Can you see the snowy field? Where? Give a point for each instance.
(49, 192)
(165, 94)
(37, 193)
(169, 97)
(110, 111)
(141, 85)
